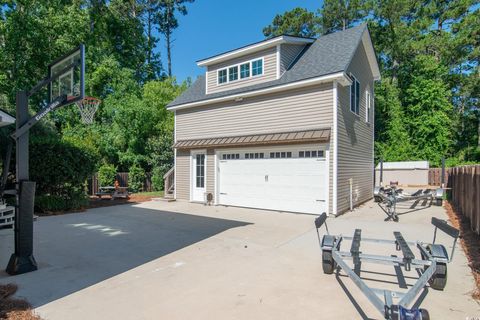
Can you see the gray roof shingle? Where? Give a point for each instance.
(329, 54)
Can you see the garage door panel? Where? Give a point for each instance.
(295, 184)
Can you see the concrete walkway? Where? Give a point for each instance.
(179, 260)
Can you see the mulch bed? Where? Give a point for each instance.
(470, 242)
(96, 202)
(13, 308)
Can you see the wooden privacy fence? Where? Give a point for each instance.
(464, 193)
(122, 177)
(435, 176)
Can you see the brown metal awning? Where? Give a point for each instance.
(317, 135)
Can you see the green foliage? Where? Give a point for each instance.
(298, 22)
(136, 178)
(429, 55)
(75, 200)
(157, 178)
(60, 170)
(107, 174)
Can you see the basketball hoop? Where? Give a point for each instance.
(88, 106)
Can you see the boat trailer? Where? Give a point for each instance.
(391, 195)
(394, 305)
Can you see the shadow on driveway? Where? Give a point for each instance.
(78, 250)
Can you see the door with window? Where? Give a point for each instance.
(198, 176)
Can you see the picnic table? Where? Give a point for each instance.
(113, 192)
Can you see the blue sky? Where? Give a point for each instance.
(215, 26)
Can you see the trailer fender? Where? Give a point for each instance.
(328, 242)
(438, 252)
(376, 194)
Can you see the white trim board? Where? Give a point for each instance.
(334, 138)
(253, 48)
(339, 77)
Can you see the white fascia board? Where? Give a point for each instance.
(340, 77)
(253, 48)
(372, 59)
(334, 139)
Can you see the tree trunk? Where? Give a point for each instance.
(169, 52)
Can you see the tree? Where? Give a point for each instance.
(341, 14)
(297, 22)
(167, 22)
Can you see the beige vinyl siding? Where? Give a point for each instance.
(182, 172)
(269, 71)
(298, 109)
(291, 110)
(288, 53)
(355, 139)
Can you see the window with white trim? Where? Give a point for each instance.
(355, 95)
(230, 156)
(240, 71)
(280, 154)
(256, 155)
(233, 73)
(222, 76)
(245, 70)
(311, 154)
(257, 67)
(368, 105)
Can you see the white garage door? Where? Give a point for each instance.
(288, 179)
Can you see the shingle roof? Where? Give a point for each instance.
(329, 54)
(317, 135)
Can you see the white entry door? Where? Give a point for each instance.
(290, 179)
(198, 182)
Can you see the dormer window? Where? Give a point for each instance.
(245, 70)
(222, 76)
(240, 71)
(233, 73)
(257, 67)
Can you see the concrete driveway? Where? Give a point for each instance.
(188, 261)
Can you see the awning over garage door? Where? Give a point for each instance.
(306, 136)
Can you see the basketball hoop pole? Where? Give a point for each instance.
(22, 260)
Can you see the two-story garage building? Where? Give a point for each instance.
(283, 124)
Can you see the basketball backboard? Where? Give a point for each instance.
(68, 73)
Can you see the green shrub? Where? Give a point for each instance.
(157, 179)
(60, 170)
(136, 178)
(55, 203)
(107, 174)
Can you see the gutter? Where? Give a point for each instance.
(340, 77)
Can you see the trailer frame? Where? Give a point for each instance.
(432, 266)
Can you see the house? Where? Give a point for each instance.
(283, 124)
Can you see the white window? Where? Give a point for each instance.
(222, 76)
(257, 67)
(311, 154)
(245, 70)
(355, 96)
(233, 73)
(230, 156)
(368, 104)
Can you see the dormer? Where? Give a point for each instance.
(253, 64)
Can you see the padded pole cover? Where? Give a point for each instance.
(22, 260)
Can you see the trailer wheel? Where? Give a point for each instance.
(439, 279)
(425, 314)
(328, 263)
